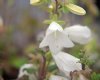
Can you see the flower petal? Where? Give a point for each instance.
(44, 42)
(55, 77)
(58, 40)
(66, 62)
(79, 34)
(53, 27)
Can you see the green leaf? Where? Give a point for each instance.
(18, 62)
(95, 76)
(30, 70)
(52, 68)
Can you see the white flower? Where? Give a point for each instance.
(79, 34)
(67, 63)
(55, 38)
(55, 77)
(23, 72)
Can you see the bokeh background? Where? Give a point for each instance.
(22, 29)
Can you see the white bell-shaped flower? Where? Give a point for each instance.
(56, 39)
(67, 63)
(79, 34)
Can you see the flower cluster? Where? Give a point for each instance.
(57, 38)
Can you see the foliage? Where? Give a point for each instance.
(95, 76)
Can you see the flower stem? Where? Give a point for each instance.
(42, 70)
